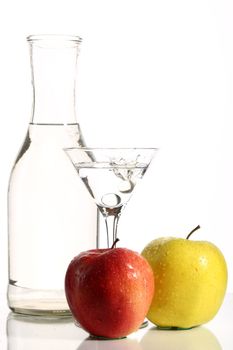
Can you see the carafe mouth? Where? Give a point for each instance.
(54, 40)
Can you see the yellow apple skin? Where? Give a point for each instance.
(190, 281)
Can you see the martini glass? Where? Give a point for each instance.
(110, 176)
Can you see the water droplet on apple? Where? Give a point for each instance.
(203, 261)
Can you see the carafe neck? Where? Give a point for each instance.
(53, 65)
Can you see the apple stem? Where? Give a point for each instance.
(114, 243)
(195, 229)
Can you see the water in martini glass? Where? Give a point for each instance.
(110, 175)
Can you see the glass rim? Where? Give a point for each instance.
(57, 37)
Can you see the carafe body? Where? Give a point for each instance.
(50, 216)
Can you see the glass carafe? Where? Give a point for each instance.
(50, 216)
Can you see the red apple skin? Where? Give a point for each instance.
(109, 291)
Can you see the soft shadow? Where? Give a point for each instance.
(118, 344)
(37, 333)
(196, 338)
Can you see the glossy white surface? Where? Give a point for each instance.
(27, 333)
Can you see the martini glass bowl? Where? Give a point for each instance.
(110, 176)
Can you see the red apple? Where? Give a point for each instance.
(109, 291)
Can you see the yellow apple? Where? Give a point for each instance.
(190, 281)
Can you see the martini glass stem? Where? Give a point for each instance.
(111, 218)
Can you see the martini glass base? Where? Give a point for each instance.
(97, 337)
(144, 324)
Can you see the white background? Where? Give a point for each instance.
(151, 73)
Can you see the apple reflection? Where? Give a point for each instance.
(118, 344)
(192, 339)
(29, 332)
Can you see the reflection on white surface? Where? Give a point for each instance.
(193, 339)
(119, 344)
(35, 333)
